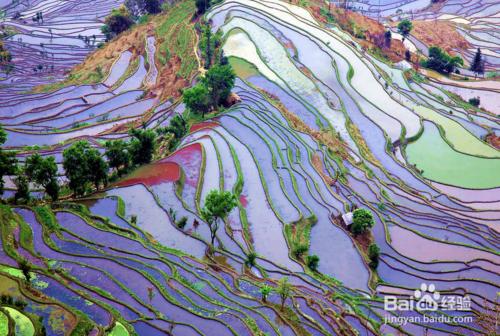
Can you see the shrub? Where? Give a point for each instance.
(181, 223)
(373, 254)
(475, 101)
(362, 221)
(313, 262)
(300, 250)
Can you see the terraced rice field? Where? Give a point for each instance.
(322, 128)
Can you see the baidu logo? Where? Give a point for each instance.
(427, 298)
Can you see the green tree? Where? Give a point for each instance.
(142, 145)
(373, 254)
(25, 267)
(218, 204)
(197, 99)
(313, 262)
(8, 161)
(43, 172)
(207, 45)
(362, 221)
(405, 27)
(22, 186)
(475, 101)
(202, 6)
(97, 168)
(119, 158)
(83, 164)
(284, 290)
(265, 291)
(117, 22)
(177, 126)
(219, 81)
(52, 189)
(477, 65)
(440, 61)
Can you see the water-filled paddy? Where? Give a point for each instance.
(441, 163)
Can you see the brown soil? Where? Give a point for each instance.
(318, 165)
(367, 32)
(169, 83)
(440, 33)
(493, 140)
(364, 240)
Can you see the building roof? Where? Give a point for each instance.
(347, 218)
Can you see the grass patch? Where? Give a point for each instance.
(299, 235)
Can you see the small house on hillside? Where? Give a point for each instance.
(347, 219)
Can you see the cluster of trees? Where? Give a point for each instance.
(123, 18)
(83, 164)
(441, 61)
(177, 128)
(209, 44)
(283, 289)
(117, 22)
(212, 91)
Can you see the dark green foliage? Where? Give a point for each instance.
(83, 165)
(312, 262)
(373, 254)
(43, 172)
(440, 61)
(9, 300)
(97, 168)
(177, 127)
(181, 223)
(197, 99)
(207, 46)
(218, 204)
(25, 267)
(23, 187)
(212, 91)
(265, 291)
(117, 22)
(475, 101)
(52, 189)
(477, 65)
(202, 6)
(251, 257)
(300, 250)
(362, 221)
(142, 145)
(219, 81)
(7, 160)
(119, 158)
(405, 27)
